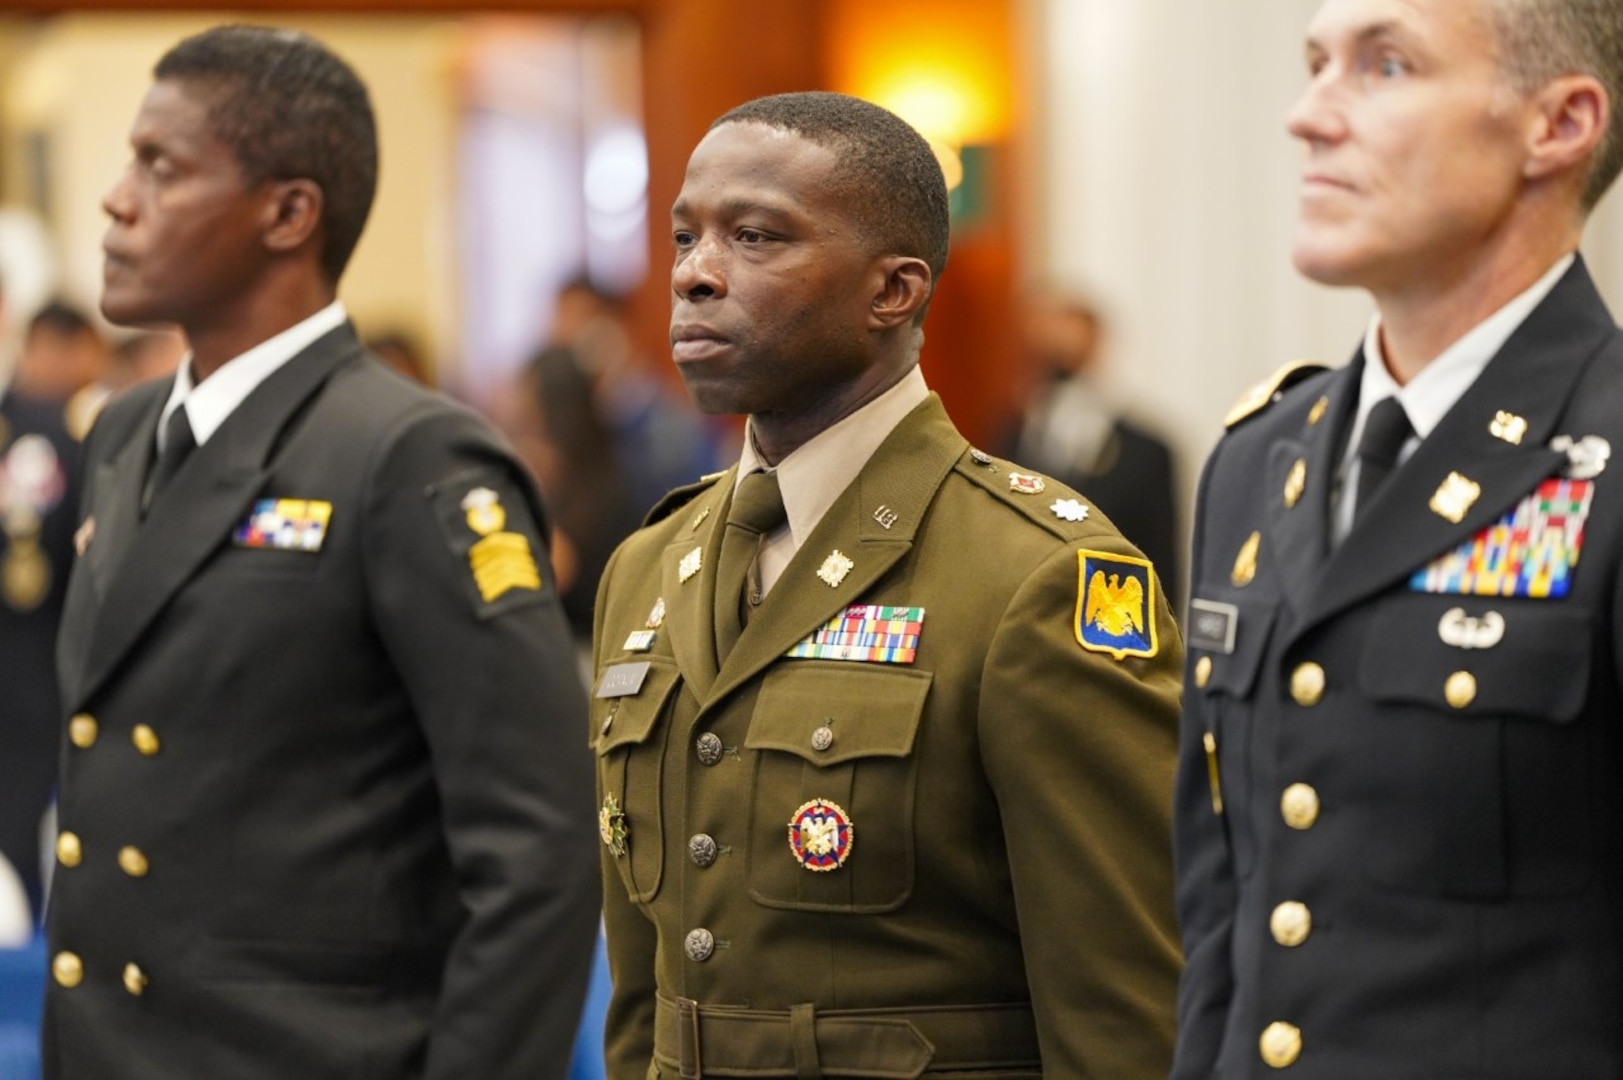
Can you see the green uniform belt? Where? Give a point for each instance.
(706, 1040)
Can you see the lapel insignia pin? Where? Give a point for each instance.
(1316, 413)
(820, 835)
(868, 633)
(1295, 483)
(656, 617)
(1508, 426)
(1069, 510)
(1454, 496)
(1464, 631)
(690, 565)
(85, 533)
(885, 516)
(1586, 457)
(981, 457)
(1026, 484)
(1245, 563)
(611, 826)
(698, 519)
(834, 569)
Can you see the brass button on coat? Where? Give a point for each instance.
(1203, 671)
(1299, 806)
(1281, 1044)
(145, 740)
(1307, 684)
(1460, 689)
(699, 945)
(702, 848)
(133, 862)
(1291, 923)
(82, 731)
(135, 980)
(67, 969)
(708, 746)
(68, 851)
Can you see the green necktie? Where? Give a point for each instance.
(756, 511)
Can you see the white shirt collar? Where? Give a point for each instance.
(210, 402)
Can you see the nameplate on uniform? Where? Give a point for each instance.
(868, 633)
(1531, 551)
(622, 680)
(285, 525)
(1212, 626)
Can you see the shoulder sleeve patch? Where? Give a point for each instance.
(1115, 605)
(492, 535)
(1266, 392)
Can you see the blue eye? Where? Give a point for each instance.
(1391, 67)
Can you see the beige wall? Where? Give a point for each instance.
(82, 77)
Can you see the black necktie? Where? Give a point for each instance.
(178, 444)
(757, 510)
(1386, 429)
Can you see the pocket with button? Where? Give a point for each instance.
(840, 734)
(1475, 756)
(630, 745)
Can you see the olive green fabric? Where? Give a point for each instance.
(1009, 790)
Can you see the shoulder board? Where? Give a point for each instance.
(1266, 392)
(1029, 494)
(677, 498)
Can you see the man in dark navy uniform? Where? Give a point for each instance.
(1400, 819)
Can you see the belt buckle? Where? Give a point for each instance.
(689, 1062)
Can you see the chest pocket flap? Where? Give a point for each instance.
(850, 710)
(630, 719)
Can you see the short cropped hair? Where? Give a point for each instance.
(890, 176)
(1542, 40)
(289, 109)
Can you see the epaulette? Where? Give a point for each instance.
(1269, 390)
(677, 498)
(1033, 496)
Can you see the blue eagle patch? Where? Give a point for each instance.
(1115, 604)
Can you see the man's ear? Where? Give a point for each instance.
(292, 214)
(904, 291)
(1571, 120)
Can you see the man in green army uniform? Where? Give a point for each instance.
(884, 726)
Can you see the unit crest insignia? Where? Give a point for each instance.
(611, 826)
(820, 835)
(1115, 605)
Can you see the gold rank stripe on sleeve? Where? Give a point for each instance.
(502, 562)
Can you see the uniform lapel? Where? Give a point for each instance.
(903, 475)
(117, 498)
(1532, 377)
(690, 604)
(1299, 534)
(199, 508)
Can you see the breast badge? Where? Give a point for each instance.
(501, 561)
(611, 826)
(820, 835)
(873, 633)
(1586, 457)
(1115, 605)
(1531, 551)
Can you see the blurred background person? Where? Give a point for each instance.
(61, 354)
(1073, 431)
(400, 350)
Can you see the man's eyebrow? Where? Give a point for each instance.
(736, 206)
(1376, 31)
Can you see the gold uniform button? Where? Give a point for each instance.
(1203, 671)
(132, 862)
(135, 980)
(67, 969)
(1460, 689)
(1281, 1044)
(145, 740)
(68, 850)
(1307, 684)
(1291, 923)
(1295, 483)
(1299, 806)
(82, 731)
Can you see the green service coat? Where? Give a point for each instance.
(1008, 790)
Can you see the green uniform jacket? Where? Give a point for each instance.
(1008, 791)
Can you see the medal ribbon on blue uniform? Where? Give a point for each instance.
(285, 525)
(1531, 551)
(867, 632)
